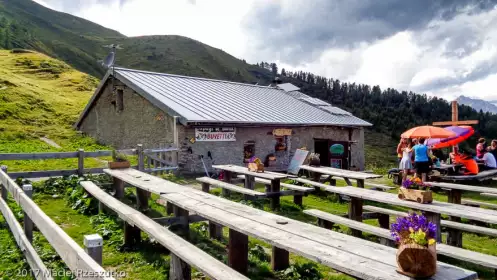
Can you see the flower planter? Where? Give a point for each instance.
(417, 261)
(254, 167)
(419, 196)
(119, 164)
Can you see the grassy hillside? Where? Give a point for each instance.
(40, 97)
(26, 24)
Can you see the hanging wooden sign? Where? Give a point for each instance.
(215, 134)
(282, 132)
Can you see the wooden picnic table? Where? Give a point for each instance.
(230, 170)
(357, 257)
(432, 210)
(360, 177)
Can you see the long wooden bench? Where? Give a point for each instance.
(207, 182)
(442, 249)
(374, 185)
(445, 223)
(489, 194)
(181, 250)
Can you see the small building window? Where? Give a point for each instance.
(120, 100)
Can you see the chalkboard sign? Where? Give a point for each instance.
(297, 160)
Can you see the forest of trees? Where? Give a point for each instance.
(391, 112)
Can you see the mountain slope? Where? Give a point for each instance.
(26, 24)
(477, 104)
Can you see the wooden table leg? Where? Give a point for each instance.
(325, 224)
(118, 188)
(355, 213)
(280, 259)
(215, 231)
(454, 236)
(185, 226)
(316, 177)
(227, 179)
(180, 270)
(297, 199)
(435, 218)
(238, 251)
(333, 182)
(360, 183)
(275, 200)
(132, 235)
(249, 184)
(142, 199)
(384, 220)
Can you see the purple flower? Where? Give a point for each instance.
(403, 227)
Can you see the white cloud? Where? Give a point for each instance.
(443, 57)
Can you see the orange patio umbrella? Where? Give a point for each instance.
(427, 131)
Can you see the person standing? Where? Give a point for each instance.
(421, 159)
(405, 163)
(402, 145)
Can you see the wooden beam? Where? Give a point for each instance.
(238, 251)
(449, 123)
(24, 244)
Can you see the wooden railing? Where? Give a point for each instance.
(151, 160)
(75, 257)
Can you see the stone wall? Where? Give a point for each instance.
(139, 122)
(232, 152)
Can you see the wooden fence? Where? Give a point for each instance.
(153, 161)
(75, 257)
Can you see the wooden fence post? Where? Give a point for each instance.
(141, 157)
(5, 192)
(81, 162)
(94, 247)
(28, 224)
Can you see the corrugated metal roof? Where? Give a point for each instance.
(314, 101)
(288, 87)
(199, 100)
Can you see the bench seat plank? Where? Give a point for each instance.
(379, 186)
(472, 213)
(145, 181)
(480, 203)
(443, 249)
(445, 223)
(285, 185)
(231, 187)
(489, 194)
(340, 172)
(188, 252)
(243, 170)
(463, 187)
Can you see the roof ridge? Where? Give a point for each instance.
(193, 78)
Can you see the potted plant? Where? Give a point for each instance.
(416, 255)
(255, 164)
(119, 161)
(414, 189)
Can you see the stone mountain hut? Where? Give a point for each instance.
(220, 122)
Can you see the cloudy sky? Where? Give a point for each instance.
(440, 47)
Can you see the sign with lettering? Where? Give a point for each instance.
(297, 160)
(215, 134)
(282, 132)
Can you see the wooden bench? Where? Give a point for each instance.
(373, 185)
(300, 190)
(476, 203)
(183, 253)
(445, 223)
(387, 239)
(208, 182)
